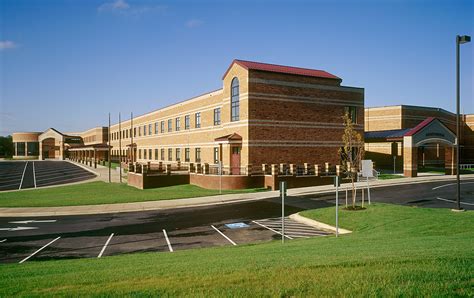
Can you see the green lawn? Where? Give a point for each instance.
(393, 251)
(389, 176)
(99, 192)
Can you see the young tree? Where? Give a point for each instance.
(352, 153)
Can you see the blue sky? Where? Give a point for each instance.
(66, 64)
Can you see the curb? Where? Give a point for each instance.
(316, 224)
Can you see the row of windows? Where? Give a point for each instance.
(159, 154)
(148, 130)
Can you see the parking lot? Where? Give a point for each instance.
(167, 231)
(31, 174)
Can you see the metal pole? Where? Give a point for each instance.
(394, 164)
(282, 189)
(131, 138)
(337, 206)
(220, 177)
(368, 189)
(109, 151)
(458, 182)
(120, 149)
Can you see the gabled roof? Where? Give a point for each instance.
(392, 134)
(231, 137)
(282, 69)
(420, 126)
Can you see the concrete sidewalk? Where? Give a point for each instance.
(206, 201)
(102, 172)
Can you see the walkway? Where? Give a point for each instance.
(203, 201)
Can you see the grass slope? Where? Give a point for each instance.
(99, 192)
(393, 251)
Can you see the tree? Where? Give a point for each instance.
(6, 146)
(352, 153)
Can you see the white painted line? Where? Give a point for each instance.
(23, 176)
(1, 241)
(274, 231)
(452, 201)
(230, 240)
(34, 175)
(25, 259)
(167, 240)
(18, 229)
(441, 186)
(105, 246)
(32, 221)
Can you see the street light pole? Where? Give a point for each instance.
(459, 40)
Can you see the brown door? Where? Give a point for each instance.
(235, 161)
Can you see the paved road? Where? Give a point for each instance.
(177, 229)
(31, 174)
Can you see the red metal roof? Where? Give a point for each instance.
(420, 126)
(282, 69)
(231, 137)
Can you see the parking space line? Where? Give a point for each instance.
(167, 240)
(274, 231)
(28, 257)
(1, 241)
(34, 176)
(452, 201)
(230, 240)
(22, 176)
(105, 246)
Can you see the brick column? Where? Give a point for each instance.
(450, 160)
(410, 158)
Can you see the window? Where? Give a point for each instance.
(178, 124)
(144, 153)
(198, 120)
(186, 122)
(20, 149)
(156, 154)
(162, 126)
(134, 132)
(198, 154)
(170, 154)
(162, 154)
(216, 154)
(234, 100)
(156, 128)
(149, 129)
(178, 154)
(139, 153)
(144, 130)
(217, 116)
(170, 125)
(149, 154)
(352, 111)
(186, 154)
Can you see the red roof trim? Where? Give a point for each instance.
(231, 137)
(420, 126)
(282, 69)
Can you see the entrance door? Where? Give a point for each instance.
(235, 161)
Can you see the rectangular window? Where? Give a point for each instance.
(186, 154)
(156, 154)
(149, 129)
(20, 149)
(352, 111)
(217, 116)
(198, 154)
(162, 126)
(139, 153)
(134, 132)
(178, 124)
(144, 130)
(178, 154)
(198, 120)
(170, 125)
(216, 155)
(156, 128)
(144, 153)
(162, 154)
(186, 122)
(170, 154)
(149, 154)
